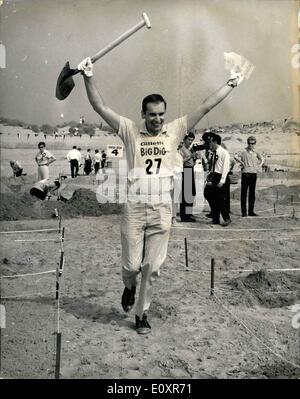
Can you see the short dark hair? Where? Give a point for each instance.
(88, 149)
(96, 151)
(74, 147)
(207, 136)
(216, 138)
(189, 135)
(41, 143)
(153, 98)
(251, 138)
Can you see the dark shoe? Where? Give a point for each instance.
(244, 215)
(142, 326)
(253, 214)
(128, 298)
(226, 222)
(209, 215)
(215, 222)
(188, 219)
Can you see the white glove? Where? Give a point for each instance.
(236, 78)
(86, 67)
(239, 68)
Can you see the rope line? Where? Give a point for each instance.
(228, 289)
(226, 229)
(241, 239)
(27, 231)
(242, 270)
(56, 240)
(30, 274)
(27, 295)
(254, 335)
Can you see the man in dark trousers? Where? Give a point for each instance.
(188, 191)
(216, 184)
(74, 158)
(103, 159)
(250, 161)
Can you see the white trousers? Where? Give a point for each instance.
(43, 172)
(145, 231)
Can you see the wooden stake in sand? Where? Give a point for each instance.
(59, 271)
(212, 276)
(2, 319)
(293, 214)
(59, 224)
(186, 255)
(58, 353)
(292, 199)
(274, 208)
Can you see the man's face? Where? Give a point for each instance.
(212, 145)
(154, 117)
(251, 144)
(188, 142)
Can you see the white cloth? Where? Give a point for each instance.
(222, 163)
(43, 172)
(43, 158)
(145, 255)
(97, 157)
(238, 66)
(86, 66)
(251, 160)
(151, 157)
(74, 154)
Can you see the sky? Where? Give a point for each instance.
(180, 57)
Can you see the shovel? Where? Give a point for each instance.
(65, 82)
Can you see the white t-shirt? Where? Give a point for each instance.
(151, 157)
(43, 158)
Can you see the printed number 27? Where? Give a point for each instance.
(149, 162)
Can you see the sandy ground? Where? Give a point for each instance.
(194, 335)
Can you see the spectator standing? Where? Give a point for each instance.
(215, 189)
(177, 178)
(97, 161)
(88, 162)
(43, 159)
(188, 191)
(103, 159)
(80, 159)
(74, 156)
(250, 161)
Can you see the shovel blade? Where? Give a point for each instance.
(65, 82)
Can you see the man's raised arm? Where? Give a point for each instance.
(110, 117)
(210, 102)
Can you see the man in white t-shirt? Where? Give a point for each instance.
(150, 152)
(43, 159)
(74, 157)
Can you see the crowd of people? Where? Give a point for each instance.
(88, 161)
(218, 169)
